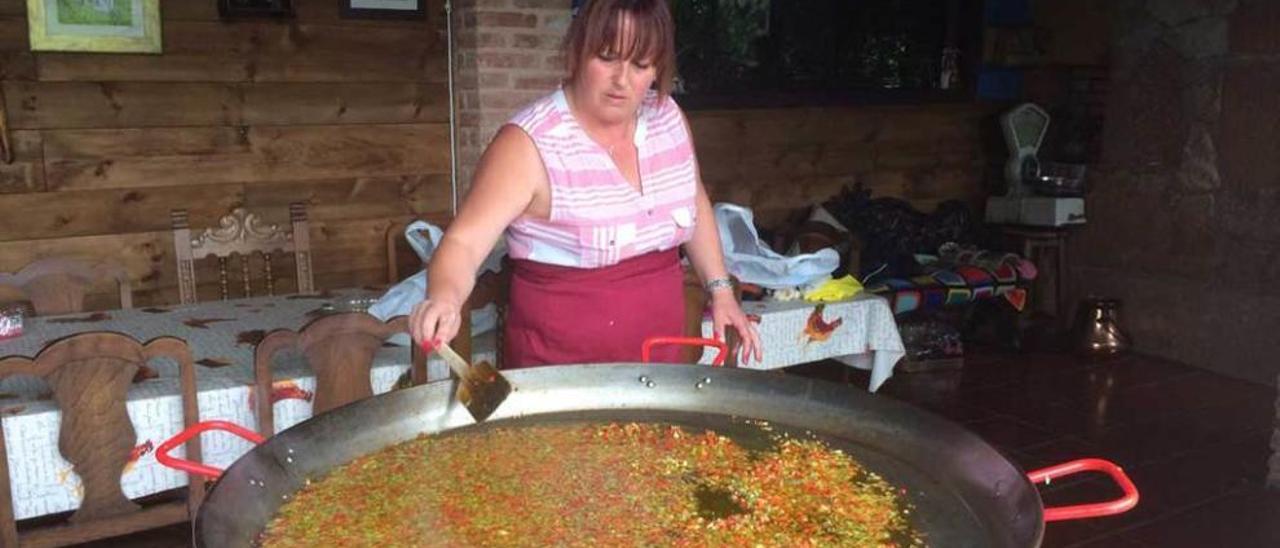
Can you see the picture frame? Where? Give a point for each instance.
(383, 9)
(102, 26)
(249, 9)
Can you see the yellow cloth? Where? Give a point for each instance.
(837, 289)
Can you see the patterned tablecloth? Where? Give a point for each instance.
(222, 335)
(860, 332)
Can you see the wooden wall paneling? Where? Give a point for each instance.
(363, 198)
(328, 13)
(112, 143)
(193, 52)
(347, 115)
(16, 60)
(344, 253)
(838, 158)
(34, 215)
(13, 34)
(268, 52)
(17, 65)
(26, 173)
(84, 105)
(922, 153)
(259, 154)
(142, 255)
(13, 7)
(334, 53)
(906, 155)
(89, 105)
(316, 103)
(188, 10)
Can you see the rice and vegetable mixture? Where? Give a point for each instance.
(616, 484)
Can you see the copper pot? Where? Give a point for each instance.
(1098, 331)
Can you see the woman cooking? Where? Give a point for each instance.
(596, 186)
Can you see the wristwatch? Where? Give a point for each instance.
(718, 283)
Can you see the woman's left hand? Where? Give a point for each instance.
(725, 311)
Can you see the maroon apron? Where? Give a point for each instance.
(567, 315)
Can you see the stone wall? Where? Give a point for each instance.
(1273, 479)
(1182, 215)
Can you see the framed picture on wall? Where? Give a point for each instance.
(383, 9)
(117, 26)
(238, 9)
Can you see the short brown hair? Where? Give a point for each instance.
(597, 27)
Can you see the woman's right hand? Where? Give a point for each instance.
(434, 322)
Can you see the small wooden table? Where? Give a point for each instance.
(860, 332)
(1035, 243)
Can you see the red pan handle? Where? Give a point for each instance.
(1094, 510)
(163, 457)
(690, 341)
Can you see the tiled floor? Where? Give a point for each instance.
(1195, 443)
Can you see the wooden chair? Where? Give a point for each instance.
(244, 234)
(90, 374)
(57, 285)
(339, 348)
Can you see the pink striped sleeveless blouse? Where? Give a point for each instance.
(597, 217)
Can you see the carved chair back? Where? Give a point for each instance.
(242, 234)
(339, 348)
(57, 285)
(90, 375)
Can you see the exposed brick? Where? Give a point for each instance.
(504, 59)
(466, 61)
(540, 4)
(507, 100)
(468, 99)
(557, 22)
(554, 62)
(473, 4)
(492, 80)
(492, 40)
(508, 19)
(544, 83)
(536, 41)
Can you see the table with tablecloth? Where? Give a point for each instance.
(222, 336)
(860, 332)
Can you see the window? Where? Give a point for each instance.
(778, 52)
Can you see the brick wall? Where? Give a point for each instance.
(507, 55)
